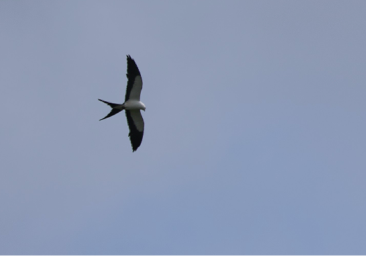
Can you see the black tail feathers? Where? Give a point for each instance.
(116, 108)
(112, 105)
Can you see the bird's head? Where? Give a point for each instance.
(143, 107)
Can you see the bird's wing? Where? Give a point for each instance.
(136, 125)
(134, 84)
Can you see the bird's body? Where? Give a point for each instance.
(132, 104)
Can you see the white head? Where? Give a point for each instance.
(143, 107)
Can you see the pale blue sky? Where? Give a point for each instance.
(254, 129)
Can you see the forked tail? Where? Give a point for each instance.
(116, 108)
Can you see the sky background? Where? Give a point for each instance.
(254, 129)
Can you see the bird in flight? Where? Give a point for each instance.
(132, 104)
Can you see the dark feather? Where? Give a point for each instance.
(113, 111)
(135, 135)
(132, 72)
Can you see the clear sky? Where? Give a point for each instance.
(254, 129)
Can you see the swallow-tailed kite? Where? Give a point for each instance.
(132, 104)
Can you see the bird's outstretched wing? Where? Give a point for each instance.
(136, 125)
(134, 84)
